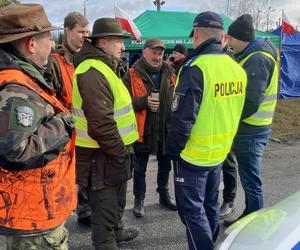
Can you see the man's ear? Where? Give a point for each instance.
(67, 31)
(143, 51)
(224, 37)
(196, 33)
(101, 43)
(31, 44)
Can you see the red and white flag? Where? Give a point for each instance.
(127, 24)
(286, 26)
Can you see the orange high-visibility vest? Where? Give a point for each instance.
(41, 198)
(138, 89)
(67, 72)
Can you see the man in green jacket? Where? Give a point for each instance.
(105, 130)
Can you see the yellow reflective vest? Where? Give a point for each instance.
(123, 110)
(264, 115)
(220, 110)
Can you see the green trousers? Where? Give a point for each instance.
(107, 206)
(56, 239)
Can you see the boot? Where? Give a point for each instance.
(226, 209)
(127, 234)
(166, 201)
(229, 222)
(138, 209)
(85, 221)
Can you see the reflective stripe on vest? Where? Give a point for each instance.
(117, 112)
(42, 198)
(220, 110)
(264, 115)
(122, 131)
(123, 110)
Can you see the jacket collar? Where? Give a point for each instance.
(13, 59)
(210, 46)
(89, 51)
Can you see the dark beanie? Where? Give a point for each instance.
(179, 47)
(242, 28)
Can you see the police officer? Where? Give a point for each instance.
(258, 58)
(37, 163)
(207, 106)
(105, 129)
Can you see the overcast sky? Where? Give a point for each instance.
(56, 10)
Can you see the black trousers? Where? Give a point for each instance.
(229, 169)
(83, 208)
(139, 174)
(107, 206)
(197, 201)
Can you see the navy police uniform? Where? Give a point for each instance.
(185, 107)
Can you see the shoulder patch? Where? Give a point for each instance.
(190, 61)
(175, 102)
(23, 116)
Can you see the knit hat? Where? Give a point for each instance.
(180, 48)
(242, 28)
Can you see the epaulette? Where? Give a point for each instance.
(190, 61)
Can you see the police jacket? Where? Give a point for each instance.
(187, 105)
(259, 69)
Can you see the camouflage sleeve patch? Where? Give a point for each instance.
(23, 116)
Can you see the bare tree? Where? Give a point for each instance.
(7, 2)
(261, 11)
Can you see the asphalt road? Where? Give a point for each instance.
(161, 229)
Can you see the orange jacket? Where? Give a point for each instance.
(138, 89)
(67, 72)
(41, 198)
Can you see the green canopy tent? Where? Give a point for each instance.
(173, 28)
(275, 39)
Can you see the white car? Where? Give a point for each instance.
(274, 228)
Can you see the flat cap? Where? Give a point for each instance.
(154, 43)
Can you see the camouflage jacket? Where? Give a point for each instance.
(31, 132)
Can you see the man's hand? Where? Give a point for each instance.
(153, 103)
